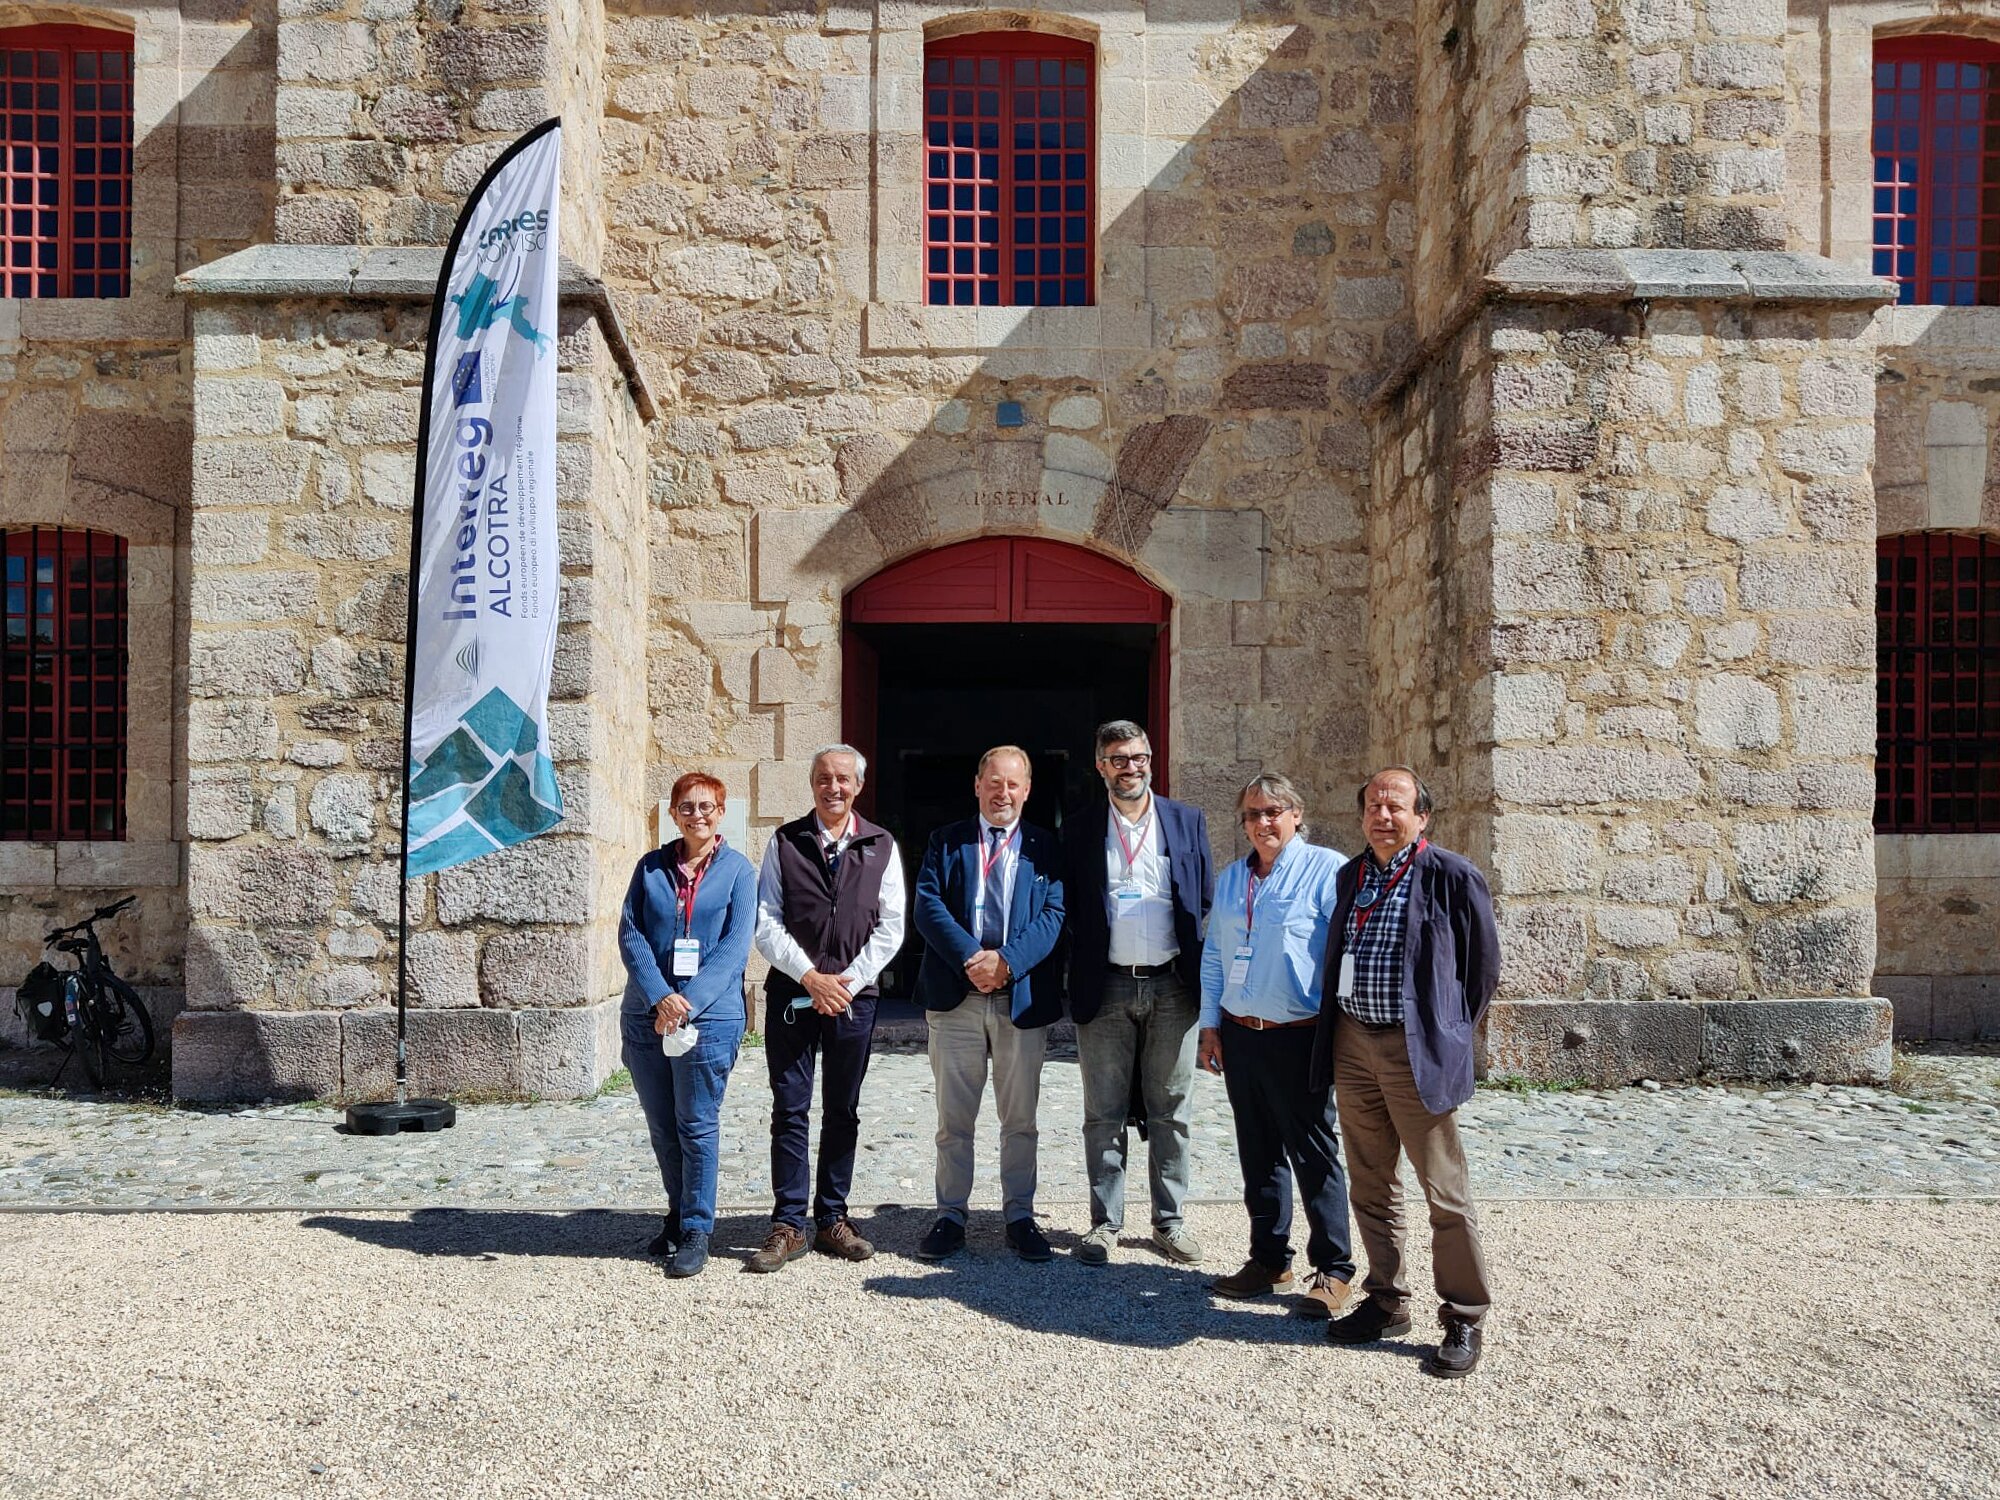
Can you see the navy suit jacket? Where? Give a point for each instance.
(947, 886)
(1085, 883)
(1451, 966)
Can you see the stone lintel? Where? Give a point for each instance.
(1603, 1044)
(391, 274)
(1683, 276)
(229, 1055)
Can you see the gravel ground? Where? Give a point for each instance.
(1727, 1349)
(1939, 1135)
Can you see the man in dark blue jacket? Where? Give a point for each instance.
(989, 906)
(1137, 877)
(1412, 959)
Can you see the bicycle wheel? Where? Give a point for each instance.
(128, 1028)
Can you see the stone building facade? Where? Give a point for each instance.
(1502, 388)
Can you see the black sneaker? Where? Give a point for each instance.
(1368, 1323)
(691, 1255)
(667, 1240)
(1458, 1355)
(947, 1237)
(1028, 1241)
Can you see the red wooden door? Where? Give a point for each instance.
(1000, 581)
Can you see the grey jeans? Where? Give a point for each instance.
(1147, 1025)
(961, 1041)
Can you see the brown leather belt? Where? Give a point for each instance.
(1258, 1023)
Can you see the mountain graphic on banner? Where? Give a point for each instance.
(484, 787)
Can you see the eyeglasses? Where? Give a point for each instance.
(698, 809)
(1265, 814)
(1137, 762)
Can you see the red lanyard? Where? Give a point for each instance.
(1363, 913)
(688, 887)
(1132, 854)
(988, 860)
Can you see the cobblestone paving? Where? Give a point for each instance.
(1939, 1135)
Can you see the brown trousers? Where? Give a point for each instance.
(1380, 1116)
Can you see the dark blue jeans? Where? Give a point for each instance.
(792, 1041)
(1286, 1129)
(682, 1098)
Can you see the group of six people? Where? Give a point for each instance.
(1167, 968)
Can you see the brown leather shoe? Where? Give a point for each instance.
(840, 1240)
(1253, 1280)
(1323, 1296)
(782, 1245)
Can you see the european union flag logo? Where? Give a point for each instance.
(465, 386)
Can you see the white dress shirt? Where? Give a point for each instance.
(1142, 924)
(1003, 871)
(782, 951)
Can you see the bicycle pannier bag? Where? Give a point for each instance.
(39, 1002)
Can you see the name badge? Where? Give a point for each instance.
(1239, 967)
(1344, 986)
(1127, 898)
(687, 957)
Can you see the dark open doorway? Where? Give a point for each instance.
(992, 642)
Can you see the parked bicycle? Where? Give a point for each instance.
(88, 1010)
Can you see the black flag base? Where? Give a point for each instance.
(392, 1116)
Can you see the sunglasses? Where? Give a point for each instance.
(698, 809)
(1265, 814)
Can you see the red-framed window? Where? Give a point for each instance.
(62, 685)
(1937, 656)
(1010, 171)
(65, 162)
(1936, 139)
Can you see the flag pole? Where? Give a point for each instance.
(390, 1117)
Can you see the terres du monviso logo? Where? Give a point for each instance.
(480, 306)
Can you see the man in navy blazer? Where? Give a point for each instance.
(1137, 872)
(1412, 960)
(989, 905)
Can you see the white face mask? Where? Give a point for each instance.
(680, 1041)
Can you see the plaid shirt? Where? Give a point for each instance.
(1378, 946)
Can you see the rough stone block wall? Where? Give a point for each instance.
(387, 111)
(1204, 422)
(95, 432)
(306, 419)
(1681, 774)
(1657, 122)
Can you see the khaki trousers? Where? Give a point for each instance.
(1380, 1116)
(961, 1040)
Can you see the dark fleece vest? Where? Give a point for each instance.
(831, 917)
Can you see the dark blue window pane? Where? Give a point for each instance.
(1024, 169)
(1024, 231)
(989, 294)
(961, 294)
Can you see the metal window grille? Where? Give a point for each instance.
(1010, 171)
(65, 162)
(62, 685)
(1936, 138)
(1937, 758)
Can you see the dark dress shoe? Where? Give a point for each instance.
(947, 1237)
(1028, 1241)
(840, 1240)
(1254, 1280)
(691, 1255)
(667, 1240)
(783, 1245)
(1369, 1322)
(1458, 1355)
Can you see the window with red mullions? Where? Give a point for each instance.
(1010, 171)
(65, 162)
(62, 685)
(1937, 656)
(1936, 139)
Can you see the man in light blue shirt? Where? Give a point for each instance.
(1260, 998)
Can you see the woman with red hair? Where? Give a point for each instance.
(685, 934)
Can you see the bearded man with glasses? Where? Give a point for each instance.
(1138, 879)
(1260, 1003)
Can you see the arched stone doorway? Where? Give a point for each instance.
(998, 639)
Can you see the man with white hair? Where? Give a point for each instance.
(829, 918)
